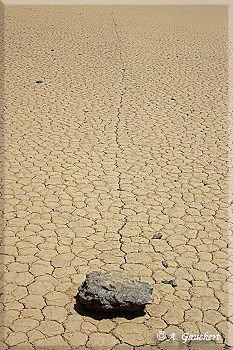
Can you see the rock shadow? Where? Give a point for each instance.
(101, 315)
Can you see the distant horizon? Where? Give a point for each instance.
(116, 2)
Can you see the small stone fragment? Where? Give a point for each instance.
(157, 236)
(165, 264)
(39, 81)
(114, 291)
(119, 189)
(172, 282)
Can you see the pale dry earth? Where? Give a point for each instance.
(126, 136)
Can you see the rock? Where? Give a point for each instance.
(114, 291)
(165, 264)
(157, 236)
(172, 282)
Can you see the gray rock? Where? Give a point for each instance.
(157, 236)
(114, 291)
(172, 282)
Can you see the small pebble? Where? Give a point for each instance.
(39, 81)
(206, 183)
(119, 189)
(165, 264)
(173, 283)
(166, 282)
(173, 99)
(232, 202)
(69, 314)
(191, 282)
(157, 236)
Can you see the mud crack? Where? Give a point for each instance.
(118, 116)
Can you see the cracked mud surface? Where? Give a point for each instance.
(116, 129)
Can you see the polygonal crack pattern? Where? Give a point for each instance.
(115, 130)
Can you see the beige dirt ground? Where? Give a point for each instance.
(126, 136)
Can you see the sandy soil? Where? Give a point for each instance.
(125, 136)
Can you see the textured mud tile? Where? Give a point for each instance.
(156, 323)
(133, 334)
(23, 346)
(160, 309)
(75, 339)
(3, 345)
(193, 315)
(35, 314)
(22, 325)
(105, 326)
(33, 301)
(173, 317)
(204, 327)
(57, 299)
(50, 328)
(123, 346)
(9, 317)
(226, 330)
(16, 338)
(88, 328)
(52, 343)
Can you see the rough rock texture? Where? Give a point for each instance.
(114, 291)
